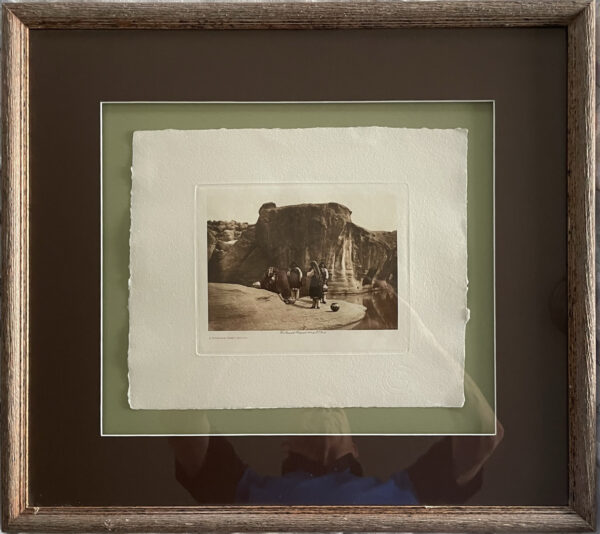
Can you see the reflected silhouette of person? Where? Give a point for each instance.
(325, 470)
(324, 467)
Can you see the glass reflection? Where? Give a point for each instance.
(324, 468)
(327, 470)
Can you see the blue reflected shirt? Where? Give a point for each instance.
(336, 488)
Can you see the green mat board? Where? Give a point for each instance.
(120, 120)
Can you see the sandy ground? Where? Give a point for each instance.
(236, 307)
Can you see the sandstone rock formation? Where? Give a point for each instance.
(355, 257)
(222, 235)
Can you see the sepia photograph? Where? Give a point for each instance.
(302, 257)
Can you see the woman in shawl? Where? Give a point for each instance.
(325, 279)
(315, 284)
(295, 279)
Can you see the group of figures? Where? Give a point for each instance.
(288, 283)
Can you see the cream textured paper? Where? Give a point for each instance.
(167, 370)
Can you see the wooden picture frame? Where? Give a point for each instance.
(577, 16)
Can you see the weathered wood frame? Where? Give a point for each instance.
(577, 15)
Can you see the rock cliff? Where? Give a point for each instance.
(354, 256)
(222, 235)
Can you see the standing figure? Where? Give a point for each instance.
(315, 284)
(325, 276)
(295, 279)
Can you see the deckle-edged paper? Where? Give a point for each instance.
(280, 268)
